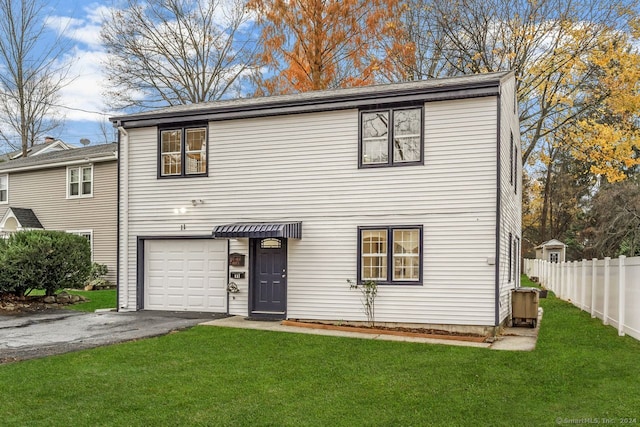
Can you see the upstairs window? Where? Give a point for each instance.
(4, 189)
(391, 137)
(183, 152)
(390, 255)
(80, 181)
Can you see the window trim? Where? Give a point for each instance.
(510, 257)
(390, 266)
(183, 130)
(80, 194)
(5, 202)
(512, 160)
(391, 111)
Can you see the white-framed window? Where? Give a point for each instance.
(391, 137)
(390, 254)
(87, 234)
(80, 181)
(4, 189)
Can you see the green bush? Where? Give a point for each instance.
(98, 270)
(43, 259)
(96, 277)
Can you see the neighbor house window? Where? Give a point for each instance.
(183, 152)
(80, 181)
(4, 189)
(391, 137)
(391, 255)
(87, 234)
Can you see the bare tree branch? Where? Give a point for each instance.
(171, 52)
(32, 74)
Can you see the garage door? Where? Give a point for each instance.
(185, 275)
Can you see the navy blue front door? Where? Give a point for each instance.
(269, 278)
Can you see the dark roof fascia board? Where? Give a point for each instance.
(264, 109)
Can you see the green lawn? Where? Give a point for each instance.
(216, 377)
(98, 299)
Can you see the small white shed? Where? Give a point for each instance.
(552, 250)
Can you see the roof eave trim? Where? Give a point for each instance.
(489, 88)
(41, 166)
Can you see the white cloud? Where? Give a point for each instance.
(81, 100)
(85, 30)
(83, 95)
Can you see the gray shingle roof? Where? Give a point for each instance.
(319, 97)
(26, 217)
(51, 159)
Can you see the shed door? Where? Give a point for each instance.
(185, 275)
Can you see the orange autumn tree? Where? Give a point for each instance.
(609, 138)
(320, 44)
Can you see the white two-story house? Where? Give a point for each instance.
(415, 186)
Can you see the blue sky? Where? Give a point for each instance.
(81, 100)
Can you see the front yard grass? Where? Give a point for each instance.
(228, 377)
(97, 300)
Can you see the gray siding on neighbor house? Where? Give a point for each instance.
(44, 191)
(304, 167)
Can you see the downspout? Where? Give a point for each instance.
(124, 198)
(498, 212)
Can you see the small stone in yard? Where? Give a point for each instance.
(49, 300)
(74, 298)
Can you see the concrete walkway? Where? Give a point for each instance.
(513, 339)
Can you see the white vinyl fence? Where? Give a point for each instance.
(607, 288)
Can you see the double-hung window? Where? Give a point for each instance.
(182, 152)
(80, 181)
(4, 189)
(391, 137)
(390, 255)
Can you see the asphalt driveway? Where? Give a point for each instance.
(33, 335)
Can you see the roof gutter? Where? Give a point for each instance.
(41, 166)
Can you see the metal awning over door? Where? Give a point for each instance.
(288, 230)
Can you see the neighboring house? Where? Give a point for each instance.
(413, 185)
(50, 145)
(552, 250)
(73, 190)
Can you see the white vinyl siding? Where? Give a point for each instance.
(304, 167)
(511, 200)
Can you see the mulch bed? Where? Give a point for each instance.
(396, 330)
(11, 304)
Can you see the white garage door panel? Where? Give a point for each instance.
(185, 275)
